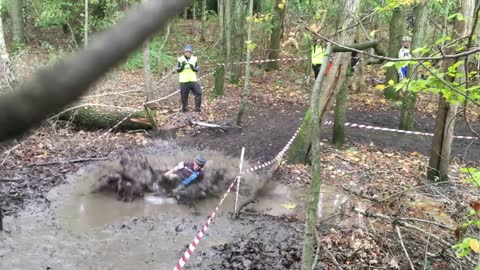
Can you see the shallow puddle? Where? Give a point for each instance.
(80, 210)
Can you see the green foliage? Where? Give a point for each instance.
(57, 12)
(104, 13)
(135, 61)
(466, 245)
(4, 5)
(434, 76)
(473, 175)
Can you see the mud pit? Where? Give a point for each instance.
(84, 230)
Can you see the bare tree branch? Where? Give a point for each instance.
(426, 248)
(391, 59)
(403, 247)
(53, 88)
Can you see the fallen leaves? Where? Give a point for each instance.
(474, 245)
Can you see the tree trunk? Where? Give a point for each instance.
(221, 22)
(338, 138)
(85, 27)
(160, 48)
(439, 162)
(276, 35)
(357, 82)
(300, 150)
(319, 104)
(440, 152)
(185, 13)
(90, 119)
(313, 127)
(420, 34)
(204, 19)
(17, 22)
(7, 65)
(227, 28)
(219, 81)
(147, 71)
(246, 90)
(194, 15)
(396, 32)
(238, 38)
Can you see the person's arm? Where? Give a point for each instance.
(180, 66)
(195, 68)
(176, 168)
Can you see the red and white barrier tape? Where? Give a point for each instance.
(277, 157)
(150, 102)
(266, 61)
(353, 125)
(191, 248)
(274, 60)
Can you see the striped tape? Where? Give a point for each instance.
(202, 77)
(278, 157)
(151, 102)
(191, 248)
(353, 125)
(274, 60)
(266, 61)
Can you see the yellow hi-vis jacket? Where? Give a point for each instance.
(187, 74)
(317, 54)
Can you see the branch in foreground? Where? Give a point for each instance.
(410, 226)
(403, 247)
(390, 59)
(53, 88)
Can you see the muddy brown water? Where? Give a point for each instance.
(81, 230)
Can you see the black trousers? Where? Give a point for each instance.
(185, 89)
(316, 69)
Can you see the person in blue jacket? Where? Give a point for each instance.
(187, 173)
(404, 53)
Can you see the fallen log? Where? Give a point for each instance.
(90, 119)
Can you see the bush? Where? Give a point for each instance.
(135, 60)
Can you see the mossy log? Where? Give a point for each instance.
(91, 119)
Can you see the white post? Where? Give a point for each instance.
(239, 177)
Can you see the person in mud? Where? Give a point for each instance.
(186, 173)
(187, 68)
(404, 53)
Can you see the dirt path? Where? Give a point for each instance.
(265, 132)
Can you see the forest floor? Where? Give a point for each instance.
(377, 172)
